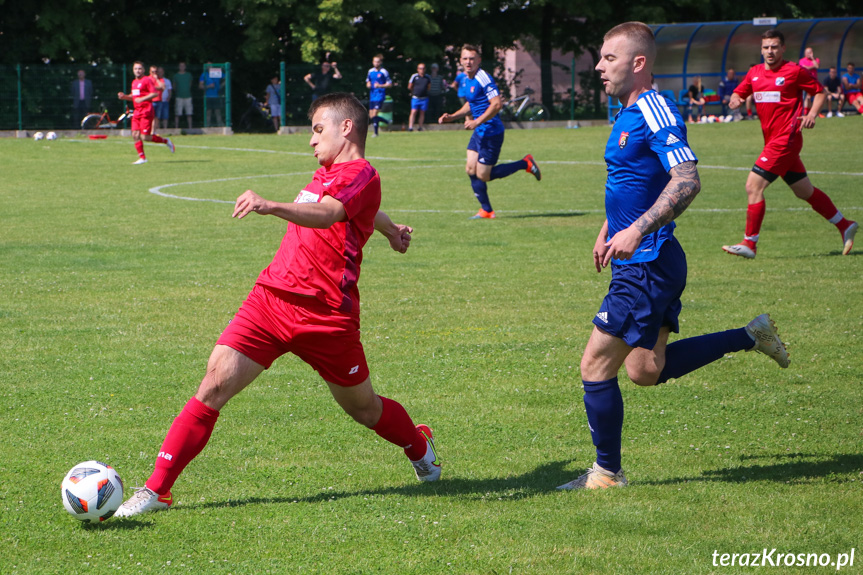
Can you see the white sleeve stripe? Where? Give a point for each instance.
(648, 114)
(656, 113)
(679, 155)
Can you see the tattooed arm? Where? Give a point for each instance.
(674, 199)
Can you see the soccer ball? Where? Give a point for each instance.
(92, 491)
(38, 136)
(51, 136)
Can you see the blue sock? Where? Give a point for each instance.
(604, 406)
(480, 190)
(504, 170)
(686, 355)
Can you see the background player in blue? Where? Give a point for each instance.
(651, 180)
(377, 81)
(483, 103)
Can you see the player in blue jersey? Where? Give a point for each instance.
(652, 179)
(483, 104)
(377, 81)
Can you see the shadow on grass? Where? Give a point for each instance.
(796, 468)
(543, 479)
(547, 215)
(119, 523)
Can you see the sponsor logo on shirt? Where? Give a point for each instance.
(780, 81)
(768, 97)
(136, 92)
(624, 136)
(307, 197)
(672, 139)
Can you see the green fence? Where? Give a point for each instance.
(44, 96)
(40, 96)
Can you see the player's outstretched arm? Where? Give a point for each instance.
(674, 199)
(399, 235)
(320, 215)
(460, 113)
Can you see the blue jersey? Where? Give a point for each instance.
(381, 77)
(480, 89)
(461, 82)
(647, 140)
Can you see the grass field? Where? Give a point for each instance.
(113, 296)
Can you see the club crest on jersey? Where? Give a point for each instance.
(624, 136)
(780, 81)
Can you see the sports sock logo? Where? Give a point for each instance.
(165, 455)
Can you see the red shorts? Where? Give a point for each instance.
(780, 157)
(271, 323)
(143, 124)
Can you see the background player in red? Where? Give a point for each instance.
(142, 95)
(777, 85)
(305, 302)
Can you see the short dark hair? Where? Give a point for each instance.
(347, 107)
(774, 33)
(469, 48)
(138, 62)
(640, 36)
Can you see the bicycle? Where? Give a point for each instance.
(521, 108)
(257, 117)
(103, 120)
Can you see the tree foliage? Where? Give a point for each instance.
(256, 34)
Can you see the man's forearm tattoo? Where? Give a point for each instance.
(673, 200)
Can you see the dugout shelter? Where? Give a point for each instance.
(708, 49)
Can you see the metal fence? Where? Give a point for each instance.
(43, 95)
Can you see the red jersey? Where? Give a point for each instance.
(778, 97)
(142, 87)
(326, 263)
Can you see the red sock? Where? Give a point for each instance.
(187, 437)
(396, 426)
(754, 219)
(822, 204)
(139, 145)
(158, 139)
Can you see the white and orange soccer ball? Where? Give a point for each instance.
(92, 491)
(51, 136)
(38, 136)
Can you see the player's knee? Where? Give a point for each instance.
(644, 378)
(366, 415)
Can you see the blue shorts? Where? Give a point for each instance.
(375, 104)
(419, 103)
(488, 147)
(644, 297)
(160, 109)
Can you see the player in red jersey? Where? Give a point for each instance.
(305, 302)
(778, 86)
(142, 95)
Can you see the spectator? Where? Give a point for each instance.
(833, 87)
(163, 108)
(437, 89)
(321, 82)
(726, 87)
(211, 82)
(274, 101)
(696, 98)
(182, 95)
(653, 85)
(811, 64)
(851, 86)
(81, 91)
(418, 86)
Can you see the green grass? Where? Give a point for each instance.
(112, 298)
